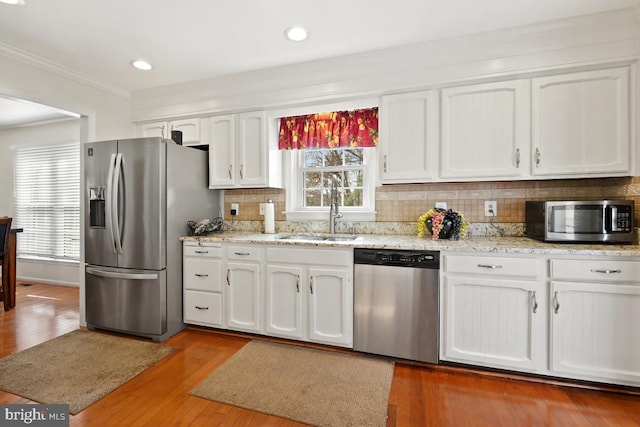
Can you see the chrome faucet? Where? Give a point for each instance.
(334, 209)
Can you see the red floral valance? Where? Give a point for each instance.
(357, 128)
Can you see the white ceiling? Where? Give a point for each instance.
(196, 39)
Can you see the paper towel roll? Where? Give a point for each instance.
(269, 218)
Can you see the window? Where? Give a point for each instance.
(339, 142)
(309, 183)
(47, 200)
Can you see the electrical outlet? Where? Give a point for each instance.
(490, 208)
(441, 205)
(235, 209)
(261, 208)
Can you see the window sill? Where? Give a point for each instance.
(46, 260)
(324, 216)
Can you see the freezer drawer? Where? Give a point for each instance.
(126, 300)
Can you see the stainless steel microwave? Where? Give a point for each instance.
(602, 221)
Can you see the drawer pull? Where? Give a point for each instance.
(228, 279)
(311, 284)
(491, 266)
(298, 283)
(242, 253)
(607, 271)
(535, 302)
(202, 252)
(202, 308)
(556, 303)
(201, 275)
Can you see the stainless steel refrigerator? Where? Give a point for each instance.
(140, 193)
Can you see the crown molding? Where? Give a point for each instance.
(60, 70)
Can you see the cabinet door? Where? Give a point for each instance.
(409, 137)
(243, 296)
(594, 331)
(222, 151)
(283, 301)
(330, 306)
(251, 150)
(190, 129)
(485, 130)
(581, 123)
(148, 130)
(494, 322)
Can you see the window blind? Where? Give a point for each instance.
(47, 200)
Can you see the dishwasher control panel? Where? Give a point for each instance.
(400, 258)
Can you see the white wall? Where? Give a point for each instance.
(58, 132)
(105, 111)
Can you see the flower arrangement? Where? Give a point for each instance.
(442, 224)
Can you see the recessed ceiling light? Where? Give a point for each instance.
(141, 64)
(296, 34)
(15, 2)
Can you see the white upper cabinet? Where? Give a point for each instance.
(190, 129)
(580, 124)
(240, 153)
(409, 137)
(222, 140)
(485, 130)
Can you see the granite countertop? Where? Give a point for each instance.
(513, 245)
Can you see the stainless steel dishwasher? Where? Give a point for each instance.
(396, 303)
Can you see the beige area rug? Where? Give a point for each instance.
(312, 386)
(77, 368)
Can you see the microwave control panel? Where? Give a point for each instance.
(623, 218)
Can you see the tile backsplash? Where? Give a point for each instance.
(399, 206)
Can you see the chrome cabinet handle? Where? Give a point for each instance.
(607, 271)
(298, 283)
(202, 252)
(491, 266)
(311, 284)
(242, 253)
(201, 275)
(517, 157)
(556, 303)
(384, 163)
(535, 301)
(202, 308)
(241, 171)
(230, 171)
(538, 156)
(228, 279)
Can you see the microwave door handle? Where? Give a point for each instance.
(109, 203)
(114, 203)
(613, 219)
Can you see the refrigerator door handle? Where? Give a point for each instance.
(114, 203)
(115, 275)
(109, 202)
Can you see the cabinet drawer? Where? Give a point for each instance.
(495, 266)
(203, 308)
(336, 257)
(251, 253)
(202, 274)
(210, 251)
(594, 270)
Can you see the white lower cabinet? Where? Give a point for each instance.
(201, 275)
(569, 317)
(309, 294)
(242, 300)
(494, 312)
(595, 313)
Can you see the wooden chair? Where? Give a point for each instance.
(5, 230)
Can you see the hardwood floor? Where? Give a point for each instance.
(420, 396)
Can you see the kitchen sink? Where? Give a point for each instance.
(312, 237)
